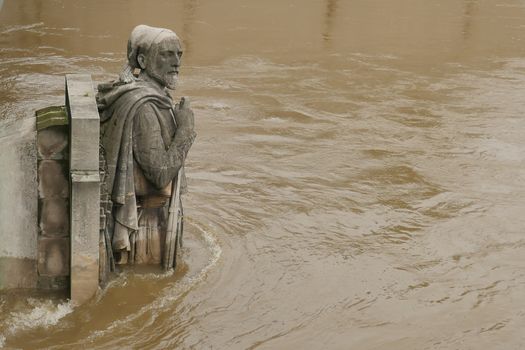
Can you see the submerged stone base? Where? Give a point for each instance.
(84, 274)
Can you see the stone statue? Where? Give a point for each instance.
(145, 138)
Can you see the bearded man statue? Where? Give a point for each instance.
(145, 138)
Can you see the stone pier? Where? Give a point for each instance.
(84, 134)
(50, 196)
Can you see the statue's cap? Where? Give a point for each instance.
(141, 39)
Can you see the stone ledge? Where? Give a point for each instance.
(85, 176)
(84, 122)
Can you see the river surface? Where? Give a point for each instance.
(357, 182)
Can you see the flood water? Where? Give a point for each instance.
(357, 181)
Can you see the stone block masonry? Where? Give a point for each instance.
(53, 200)
(50, 197)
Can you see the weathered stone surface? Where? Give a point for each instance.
(52, 142)
(85, 208)
(84, 280)
(53, 240)
(54, 217)
(84, 126)
(17, 273)
(18, 204)
(53, 257)
(84, 122)
(85, 211)
(53, 283)
(52, 179)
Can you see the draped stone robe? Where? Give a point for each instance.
(154, 169)
(137, 134)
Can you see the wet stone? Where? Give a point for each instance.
(52, 179)
(18, 204)
(53, 256)
(85, 187)
(52, 143)
(17, 272)
(54, 217)
(53, 283)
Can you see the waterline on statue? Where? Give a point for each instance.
(201, 252)
(175, 289)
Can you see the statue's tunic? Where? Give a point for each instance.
(155, 167)
(138, 128)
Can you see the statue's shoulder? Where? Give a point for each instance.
(122, 97)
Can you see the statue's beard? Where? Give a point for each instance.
(169, 80)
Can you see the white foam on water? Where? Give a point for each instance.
(274, 120)
(172, 293)
(18, 28)
(154, 275)
(42, 314)
(46, 313)
(219, 105)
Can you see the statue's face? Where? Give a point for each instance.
(163, 62)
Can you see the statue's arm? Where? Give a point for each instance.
(158, 163)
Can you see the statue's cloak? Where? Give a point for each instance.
(118, 105)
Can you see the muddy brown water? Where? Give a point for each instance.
(357, 181)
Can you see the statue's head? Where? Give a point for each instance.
(157, 53)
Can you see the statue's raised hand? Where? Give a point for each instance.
(184, 115)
